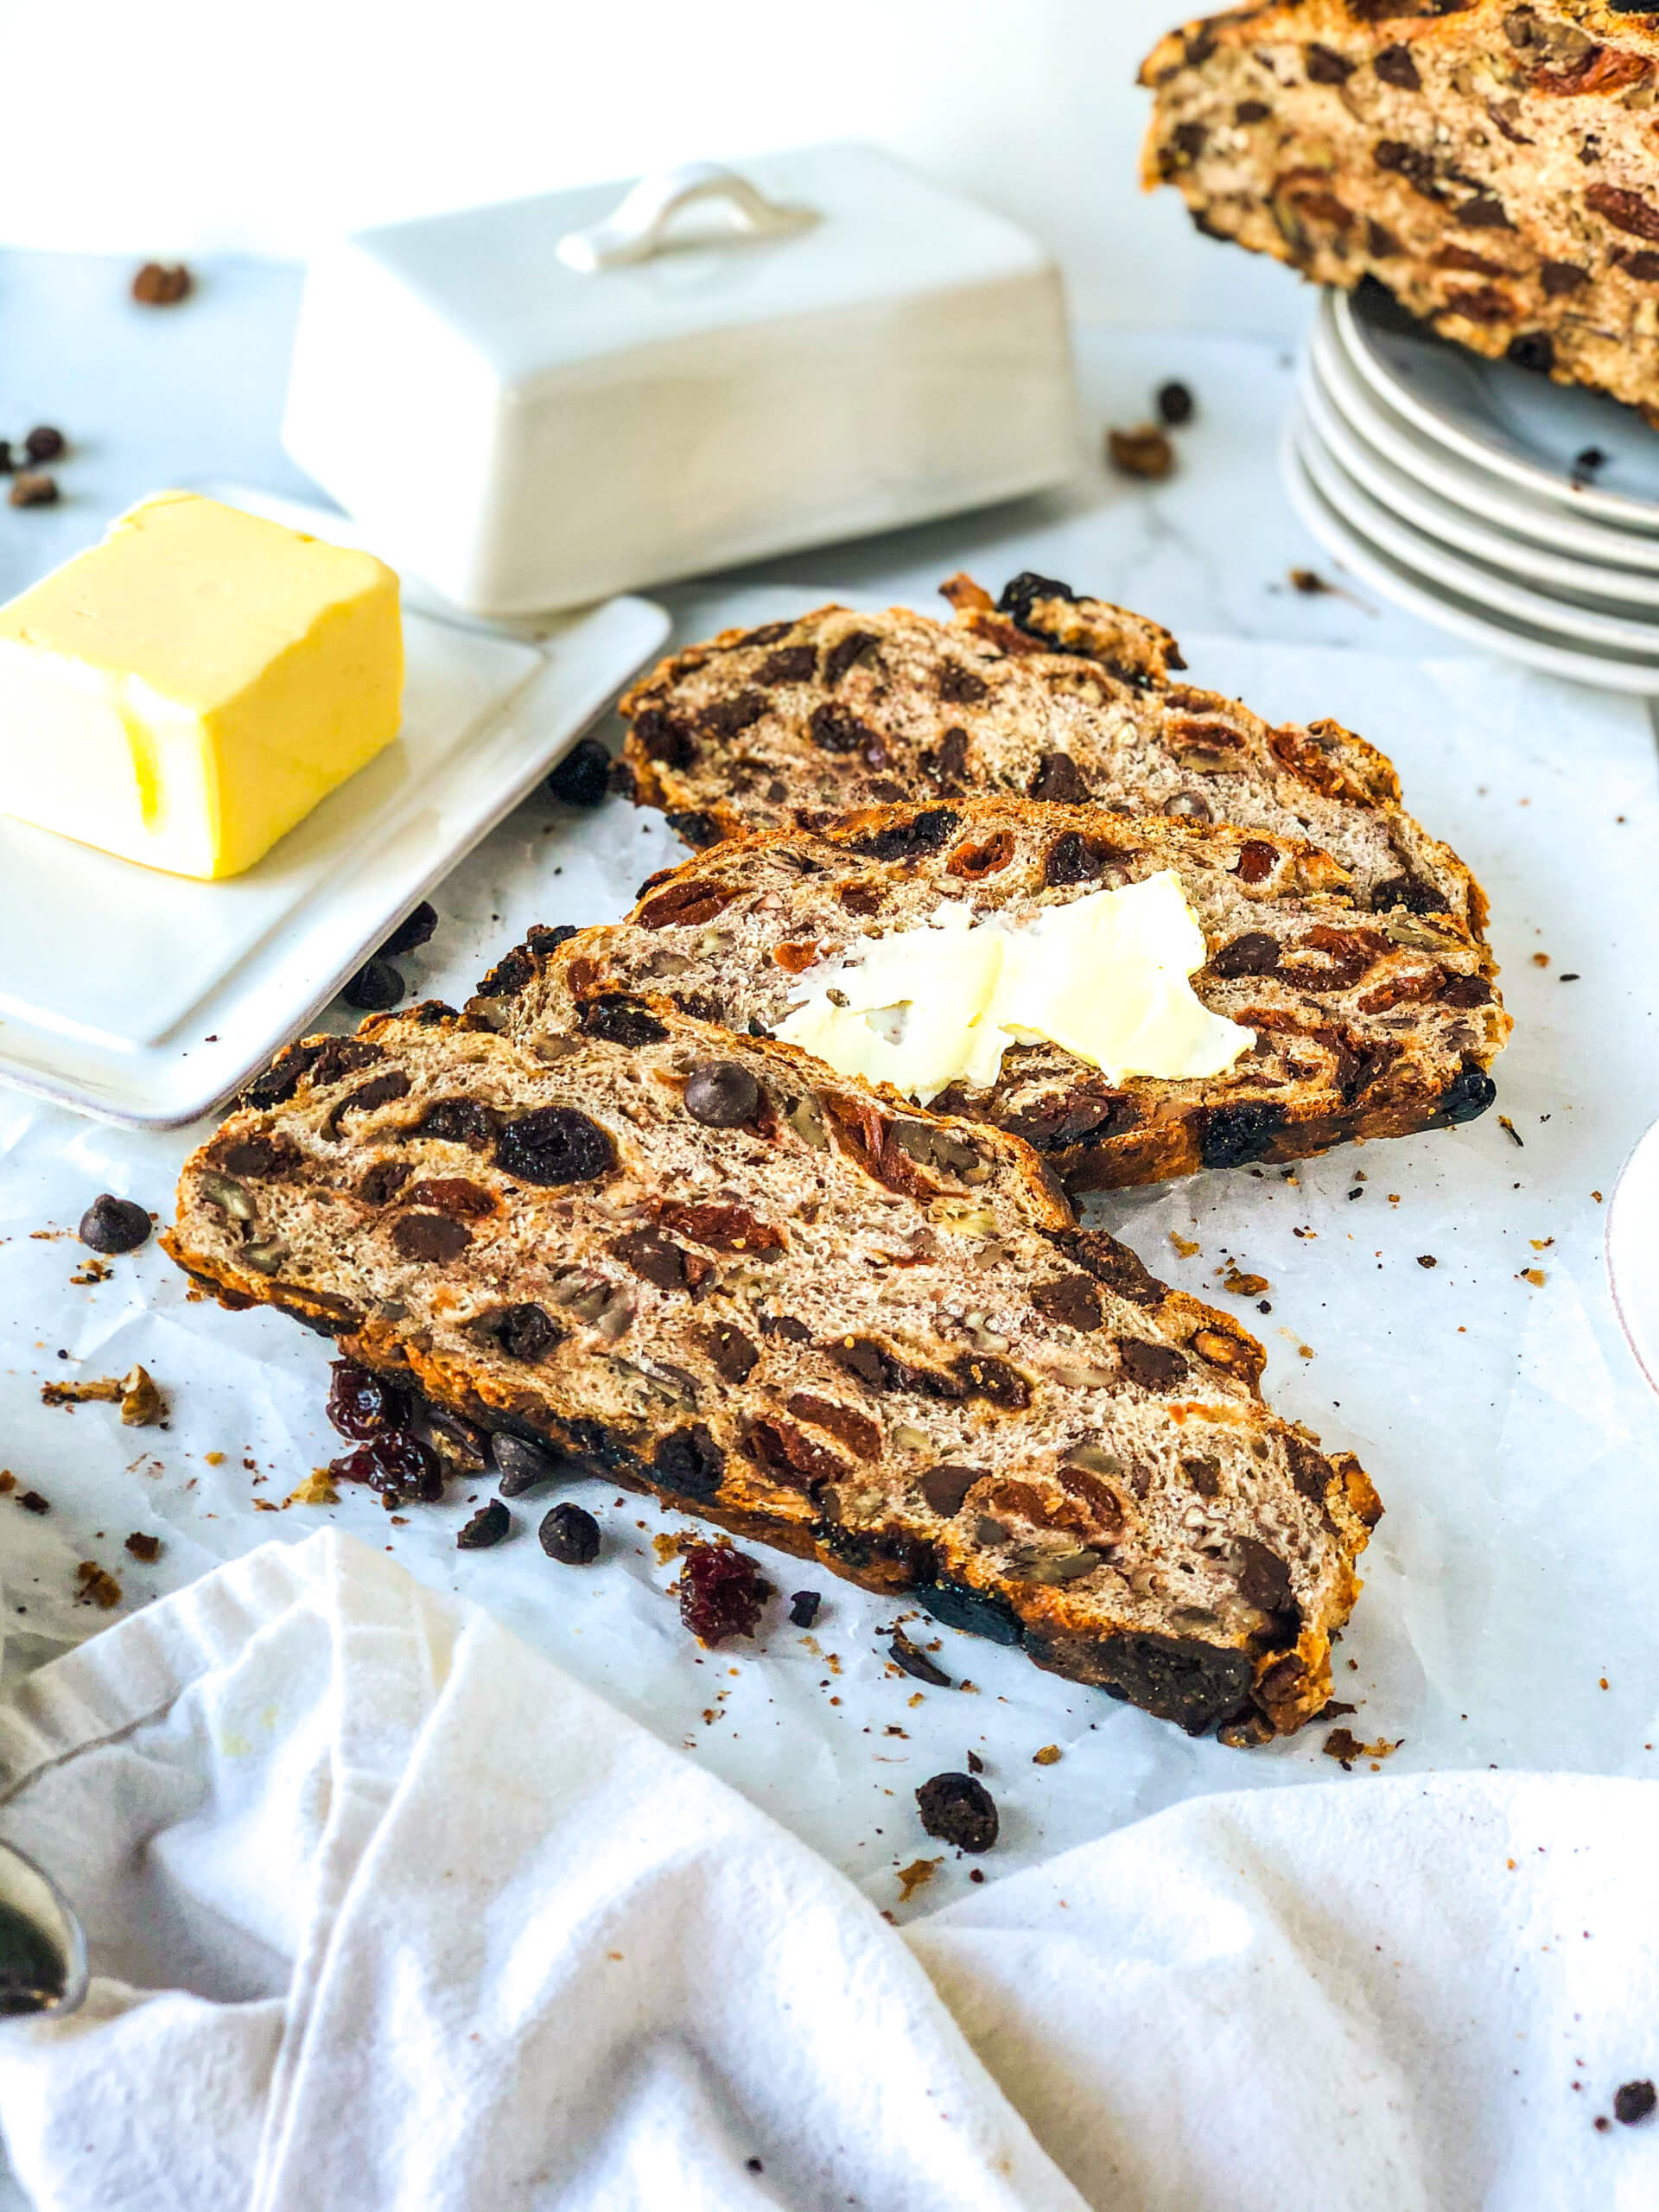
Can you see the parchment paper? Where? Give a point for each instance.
(1509, 1616)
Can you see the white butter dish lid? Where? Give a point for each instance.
(634, 383)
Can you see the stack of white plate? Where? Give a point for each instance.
(1519, 513)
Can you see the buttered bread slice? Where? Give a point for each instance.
(1044, 695)
(1137, 998)
(706, 1266)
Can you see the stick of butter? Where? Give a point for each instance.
(1106, 977)
(187, 691)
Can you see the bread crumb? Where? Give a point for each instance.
(214, 1459)
(1540, 960)
(1344, 1746)
(142, 1404)
(94, 1587)
(1540, 1244)
(1049, 1756)
(912, 1877)
(315, 1490)
(1536, 1276)
(1188, 1247)
(148, 1548)
(1246, 1285)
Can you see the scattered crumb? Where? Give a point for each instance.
(1309, 582)
(103, 1388)
(912, 1877)
(976, 1873)
(1540, 1244)
(214, 1459)
(1536, 1276)
(1246, 1285)
(94, 1271)
(142, 1404)
(1540, 960)
(1186, 1246)
(1049, 1756)
(1394, 1198)
(668, 1546)
(976, 1765)
(1510, 1129)
(7, 1480)
(1427, 1260)
(315, 1490)
(32, 1502)
(94, 1587)
(1143, 452)
(1344, 1746)
(148, 1548)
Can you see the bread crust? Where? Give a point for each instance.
(1044, 695)
(827, 1327)
(1367, 1027)
(1493, 165)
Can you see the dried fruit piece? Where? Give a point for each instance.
(396, 1465)
(804, 1608)
(583, 777)
(570, 1535)
(1176, 404)
(44, 444)
(1634, 2101)
(959, 1811)
(555, 1145)
(1143, 452)
(113, 1224)
(362, 1404)
(721, 1592)
(161, 285)
(487, 1526)
(147, 1549)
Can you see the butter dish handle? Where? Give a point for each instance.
(637, 226)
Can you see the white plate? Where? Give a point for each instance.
(1436, 604)
(1590, 581)
(1470, 486)
(1442, 564)
(1513, 421)
(148, 998)
(1632, 1250)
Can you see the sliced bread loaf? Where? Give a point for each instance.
(1044, 696)
(1365, 1024)
(703, 1265)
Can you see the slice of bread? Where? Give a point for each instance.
(1493, 165)
(1367, 1024)
(705, 1266)
(1044, 696)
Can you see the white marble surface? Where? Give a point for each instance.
(1508, 1620)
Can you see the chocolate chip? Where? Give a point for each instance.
(661, 738)
(1326, 66)
(113, 1224)
(914, 1661)
(487, 1526)
(583, 777)
(430, 1237)
(161, 285)
(415, 929)
(362, 1404)
(959, 1811)
(44, 444)
(31, 489)
(804, 1608)
(1263, 1577)
(721, 1095)
(1633, 2102)
(520, 1465)
(376, 986)
(697, 828)
(1466, 1097)
(1153, 1367)
(570, 1535)
(1057, 780)
(1072, 1300)
(728, 717)
(1395, 65)
(945, 1487)
(1175, 403)
(555, 1145)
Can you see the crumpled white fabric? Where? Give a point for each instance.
(386, 1912)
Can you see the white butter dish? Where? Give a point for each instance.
(535, 405)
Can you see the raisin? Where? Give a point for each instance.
(664, 740)
(1153, 1367)
(379, 1090)
(724, 1229)
(794, 665)
(791, 1458)
(414, 931)
(959, 686)
(111, 1224)
(1325, 66)
(44, 444)
(1560, 278)
(376, 986)
(945, 1488)
(161, 285)
(1532, 349)
(862, 1436)
(721, 1095)
(683, 904)
(914, 1661)
(1395, 65)
(1253, 954)
(430, 1237)
(570, 1535)
(720, 1594)
(1175, 403)
(398, 1465)
(1257, 861)
(1634, 2101)
(458, 1121)
(1071, 1301)
(690, 1462)
(555, 1145)
(1625, 210)
(734, 1356)
(842, 655)
(728, 717)
(1073, 858)
(767, 635)
(1232, 1136)
(616, 1019)
(804, 1608)
(1057, 780)
(835, 728)
(927, 831)
(583, 777)
(1466, 1097)
(454, 1195)
(362, 1404)
(487, 1527)
(1410, 894)
(959, 1811)
(653, 1257)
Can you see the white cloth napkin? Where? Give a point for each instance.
(387, 1913)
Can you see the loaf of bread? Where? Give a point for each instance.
(1366, 1024)
(1044, 696)
(703, 1265)
(1495, 166)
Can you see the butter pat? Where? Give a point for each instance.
(1106, 978)
(187, 691)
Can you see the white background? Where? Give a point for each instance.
(193, 124)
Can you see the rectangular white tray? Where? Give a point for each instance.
(148, 998)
